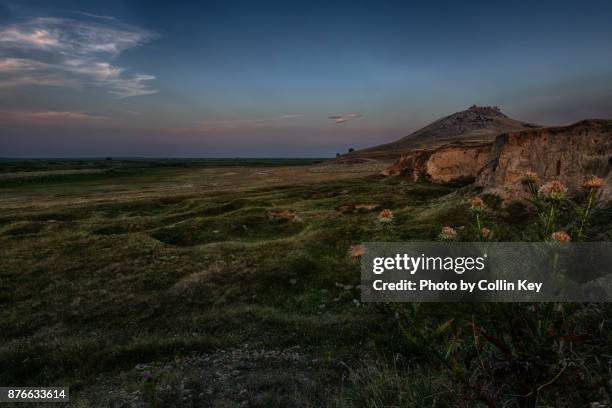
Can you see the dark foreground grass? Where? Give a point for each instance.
(89, 292)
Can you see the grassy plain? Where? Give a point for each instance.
(154, 283)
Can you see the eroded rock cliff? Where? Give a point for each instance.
(449, 164)
(410, 165)
(457, 163)
(568, 154)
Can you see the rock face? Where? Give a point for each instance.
(456, 163)
(449, 164)
(568, 154)
(410, 165)
(475, 124)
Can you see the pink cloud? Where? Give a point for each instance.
(49, 117)
(345, 118)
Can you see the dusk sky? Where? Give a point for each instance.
(261, 79)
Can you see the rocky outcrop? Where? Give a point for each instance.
(568, 154)
(450, 164)
(457, 163)
(475, 124)
(410, 165)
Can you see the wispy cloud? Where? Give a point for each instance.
(46, 117)
(98, 16)
(66, 52)
(345, 118)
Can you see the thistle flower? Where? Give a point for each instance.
(530, 177)
(553, 190)
(485, 232)
(356, 251)
(592, 183)
(447, 234)
(476, 204)
(560, 236)
(385, 216)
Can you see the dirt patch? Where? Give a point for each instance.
(241, 377)
(313, 195)
(357, 208)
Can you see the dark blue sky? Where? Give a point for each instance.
(146, 78)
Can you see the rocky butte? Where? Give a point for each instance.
(476, 124)
(484, 147)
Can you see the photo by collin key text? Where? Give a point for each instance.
(499, 285)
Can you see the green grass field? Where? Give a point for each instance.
(175, 284)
